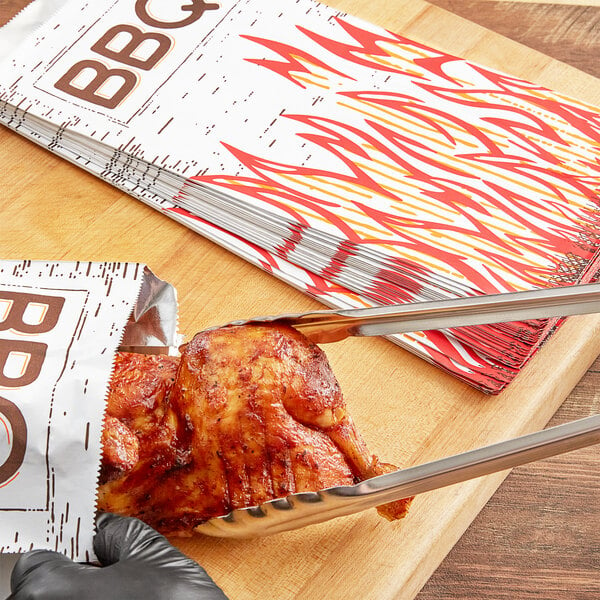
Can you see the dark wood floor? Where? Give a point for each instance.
(568, 32)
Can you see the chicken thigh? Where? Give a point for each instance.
(250, 413)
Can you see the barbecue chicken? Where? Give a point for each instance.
(247, 414)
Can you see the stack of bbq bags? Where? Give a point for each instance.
(359, 166)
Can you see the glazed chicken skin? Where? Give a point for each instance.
(250, 413)
(140, 447)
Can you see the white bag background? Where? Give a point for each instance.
(60, 326)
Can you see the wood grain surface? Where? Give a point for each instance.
(538, 537)
(567, 32)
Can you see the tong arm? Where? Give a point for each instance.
(308, 508)
(335, 325)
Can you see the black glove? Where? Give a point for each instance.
(137, 564)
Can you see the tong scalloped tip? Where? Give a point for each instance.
(308, 508)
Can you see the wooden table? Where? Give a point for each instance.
(538, 537)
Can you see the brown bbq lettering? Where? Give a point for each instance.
(102, 75)
(10, 412)
(126, 56)
(137, 38)
(33, 353)
(196, 8)
(19, 302)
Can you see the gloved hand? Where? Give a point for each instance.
(137, 564)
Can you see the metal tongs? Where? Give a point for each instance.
(326, 326)
(306, 508)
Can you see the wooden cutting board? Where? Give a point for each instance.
(409, 412)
